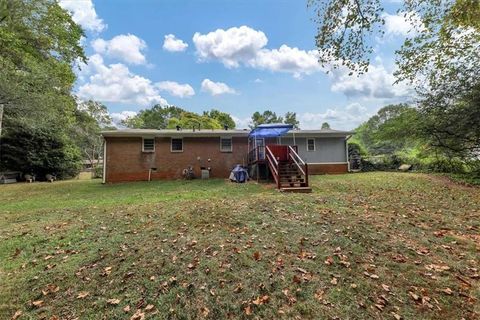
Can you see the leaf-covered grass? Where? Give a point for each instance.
(361, 246)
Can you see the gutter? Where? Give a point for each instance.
(104, 174)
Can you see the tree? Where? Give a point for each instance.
(191, 120)
(266, 117)
(91, 118)
(40, 46)
(168, 117)
(41, 151)
(392, 129)
(325, 125)
(291, 118)
(157, 117)
(454, 128)
(222, 117)
(447, 38)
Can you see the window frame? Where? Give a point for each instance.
(143, 144)
(314, 145)
(231, 144)
(171, 145)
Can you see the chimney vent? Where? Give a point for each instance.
(225, 126)
(178, 128)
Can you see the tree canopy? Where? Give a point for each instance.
(168, 117)
(269, 116)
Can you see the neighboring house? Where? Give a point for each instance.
(144, 154)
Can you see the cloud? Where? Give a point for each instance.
(118, 117)
(377, 83)
(127, 48)
(172, 44)
(216, 88)
(116, 83)
(232, 46)
(242, 123)
(176, 89)
(402, 24)
(83, 13)
(245, 46)
(286, 59)
(345, 118)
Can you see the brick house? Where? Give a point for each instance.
(145, 154)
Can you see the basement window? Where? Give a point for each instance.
(148, 145)
(226, 144)
(310, 144)
(177, 145)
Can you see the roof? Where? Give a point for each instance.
(319, 133)
(175, 133)
(217, 133)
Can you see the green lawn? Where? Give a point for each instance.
(361, 246)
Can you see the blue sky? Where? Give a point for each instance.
(235, 56)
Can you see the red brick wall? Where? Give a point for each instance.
(327, 168)
(125, 160)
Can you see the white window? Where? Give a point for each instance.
(311, 144)
(148, 145)
(177, 145)
(226, 144)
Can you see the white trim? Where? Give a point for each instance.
(309, 163)
(314, 145)
(175, 151)
(104, 174)
(231, 144)
(143, 144)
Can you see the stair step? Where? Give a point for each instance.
(296, 189)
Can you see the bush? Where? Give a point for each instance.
(98, 172)
(40, 151)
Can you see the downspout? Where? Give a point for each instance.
(104, 174)
(346, 151)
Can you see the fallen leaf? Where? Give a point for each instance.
(396, 316)
(38, 303)
(447, 291)
(113, 301)
(149, 307)
(126, 309)
(256, 255)
(205, 311)
(261, 300)
(248, 310)
(334, 281)
(17, 314)
(82, 294)
(329, 261)
(385, 287)
(414, 296)
(138, 315)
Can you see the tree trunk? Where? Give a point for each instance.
(1, 121)
(1, 118)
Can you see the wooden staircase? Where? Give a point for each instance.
(289, 171)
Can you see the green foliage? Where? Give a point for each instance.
(454, 128)
(190, 120)
(325, 125)
(291, 118)
(40, 44)
(156, 117)
(393, 128)
(40, 151)
(90, 118)
(222, 117)
(268, 116)
(168, 117)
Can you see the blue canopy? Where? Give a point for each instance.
(270, 130)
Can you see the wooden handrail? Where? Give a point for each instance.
(273, 165)
(294, 156)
